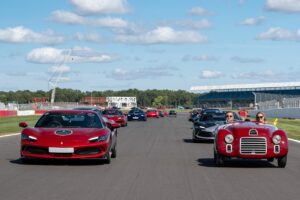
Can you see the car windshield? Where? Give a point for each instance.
(213, 117)
(151, 111)
(112, 112)
(69, 120)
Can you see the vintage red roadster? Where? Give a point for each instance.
(250, 140)
(69, 134)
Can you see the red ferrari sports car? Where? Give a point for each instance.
(152, 113)
(115, 115)
(69, 134)
(251, 140)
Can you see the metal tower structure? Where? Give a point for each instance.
(57, 75)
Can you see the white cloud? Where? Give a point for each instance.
(200, 24)
(141, 73)
(198, 11)
(283, 5)
(262, 75)
(21, 34)
(277, 33)
(208, 74)
(66, 17)
(101, 6)
(253, 21)
(199, 58)
(90, 37)
(60, 69)
(247, 60)
(163, 35)
(49, 55)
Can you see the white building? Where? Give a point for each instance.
(121, 102)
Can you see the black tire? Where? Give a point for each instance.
(114, 151)
(219, 159)
(107, 159)
(282, 161)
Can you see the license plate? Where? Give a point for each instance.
(60, 150)
(135, 117)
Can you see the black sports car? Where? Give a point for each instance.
(205, 127)
(136, 114)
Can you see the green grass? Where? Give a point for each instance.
(11, 124)
(291, 126)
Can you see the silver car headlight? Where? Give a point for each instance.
(228, 138)
(276, 139)
(98, 138)
(28, 137)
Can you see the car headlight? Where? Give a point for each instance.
(276, 139)
(201, 127)
(28, 137)
(229, 139)
(98, 138)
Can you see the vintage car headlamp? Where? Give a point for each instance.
(276, 139)
(228, 138)
(98, 138)
(28, 137)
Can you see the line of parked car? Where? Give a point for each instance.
(239, 138)
(85, 132)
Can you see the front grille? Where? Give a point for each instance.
(204, 134)
(253, 145)
(35, 150)
(87, 151)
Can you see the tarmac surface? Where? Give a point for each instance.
(156, 160)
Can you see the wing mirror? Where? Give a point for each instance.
(23, 124)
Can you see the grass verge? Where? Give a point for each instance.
(11, 124)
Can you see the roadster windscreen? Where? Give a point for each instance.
(67, 120)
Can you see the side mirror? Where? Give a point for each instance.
(115, 125)
(247, 120)
(23, 124)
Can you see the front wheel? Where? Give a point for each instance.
(282, 161)
(219, 159)
(114, 151)
(107, 159)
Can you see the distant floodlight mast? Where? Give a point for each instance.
(56, 76)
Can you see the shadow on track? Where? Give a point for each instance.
(188, 140)
(237, 163)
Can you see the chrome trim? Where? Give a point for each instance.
(253, 145)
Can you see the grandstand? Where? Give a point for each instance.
(254, 96)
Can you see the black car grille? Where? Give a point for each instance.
(35, 150)
(87, 151)
(204, 134)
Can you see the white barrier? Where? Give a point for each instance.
(25, 112)
(279, 113)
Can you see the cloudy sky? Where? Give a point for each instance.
(162, 44)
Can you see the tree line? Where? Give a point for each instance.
(168, 98)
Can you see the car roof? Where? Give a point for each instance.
(71, 111)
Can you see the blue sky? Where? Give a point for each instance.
(157, 44)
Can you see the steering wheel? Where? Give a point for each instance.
(54, 124)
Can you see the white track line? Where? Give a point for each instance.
(294, 140)
(8, 135)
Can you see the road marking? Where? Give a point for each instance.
(8, 135)
(298, 141)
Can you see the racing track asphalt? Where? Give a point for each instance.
(157, 160)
